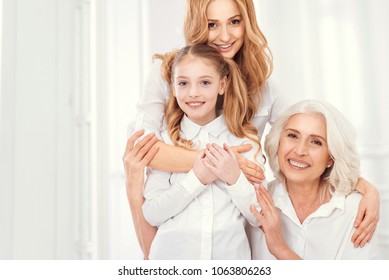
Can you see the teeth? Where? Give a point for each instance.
(224, 46)
(195, 104)
(298, 164)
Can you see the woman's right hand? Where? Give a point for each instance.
(253, 172)
(135, 159)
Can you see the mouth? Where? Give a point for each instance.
(194, 105)
(298, 164)
(224, 47)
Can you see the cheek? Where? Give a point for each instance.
(211, 37)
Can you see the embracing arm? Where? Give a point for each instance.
(368, 213)
(135, 158)
(173, 159)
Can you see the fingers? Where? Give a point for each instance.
(359, 218)
(144, 146)
(150, 155)
(131, 141)
(229, 150)
(242, 148)
(364, 233)
(257, 214)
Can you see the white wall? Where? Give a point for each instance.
(37, 178)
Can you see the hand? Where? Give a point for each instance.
(271, 226)
(201, 171)
(222, 163)
(135, 159)
(368, 214)
(252, 171)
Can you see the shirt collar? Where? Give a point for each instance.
(190, 129)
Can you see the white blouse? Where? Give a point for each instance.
(151, 104)
(197, 221)
(325, 234)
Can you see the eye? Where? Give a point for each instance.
(292, 135)
(235, 21)
(205, 83)
(211, 25)
(182, 84)
(317, 142)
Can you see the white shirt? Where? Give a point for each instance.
(325, 234)
(197, 221)
(151, 104)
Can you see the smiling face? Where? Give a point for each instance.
(196, 86)
(303, 153)
(226, 27)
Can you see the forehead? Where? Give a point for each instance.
(308, 123)
(195, 65)
(220, 9)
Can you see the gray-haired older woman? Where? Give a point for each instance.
(308, 212)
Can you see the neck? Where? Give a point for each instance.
(305, 198)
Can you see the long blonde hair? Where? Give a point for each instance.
(234, 101)
(254, 58)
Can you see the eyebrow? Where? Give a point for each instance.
(311, 135)
(201, 77)
(227, 19)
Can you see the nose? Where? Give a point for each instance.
(301, 148)
(193, 92)
(225, 34)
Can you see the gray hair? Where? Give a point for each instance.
(343, 175)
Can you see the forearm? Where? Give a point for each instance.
(286, 254)
(144, 231)
(166, 201)
(173, 159)
(364, 187)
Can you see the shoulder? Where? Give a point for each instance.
(352, 201)
(274, 100)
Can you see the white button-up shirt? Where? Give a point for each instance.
(151, 104)
(325, 234)
(197, 221)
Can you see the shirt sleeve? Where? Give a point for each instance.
(243, 195)
(367, 252)
(163, 201)
(151, 104)
(279, 101)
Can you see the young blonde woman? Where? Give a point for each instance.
(310, 208)
(229, 26)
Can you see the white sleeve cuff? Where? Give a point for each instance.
(191, 183)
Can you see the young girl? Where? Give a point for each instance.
(202, 214)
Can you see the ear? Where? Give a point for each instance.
(330, 163)
(223, 85)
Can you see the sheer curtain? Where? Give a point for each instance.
(327, 49)
(337, 51)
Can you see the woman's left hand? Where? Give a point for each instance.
(270, 222)
(368, 213)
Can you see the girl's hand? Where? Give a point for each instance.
(252, 171)
(368, 213)
(136, 157)
(271, 226)
(201, 171)
(222, 163)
